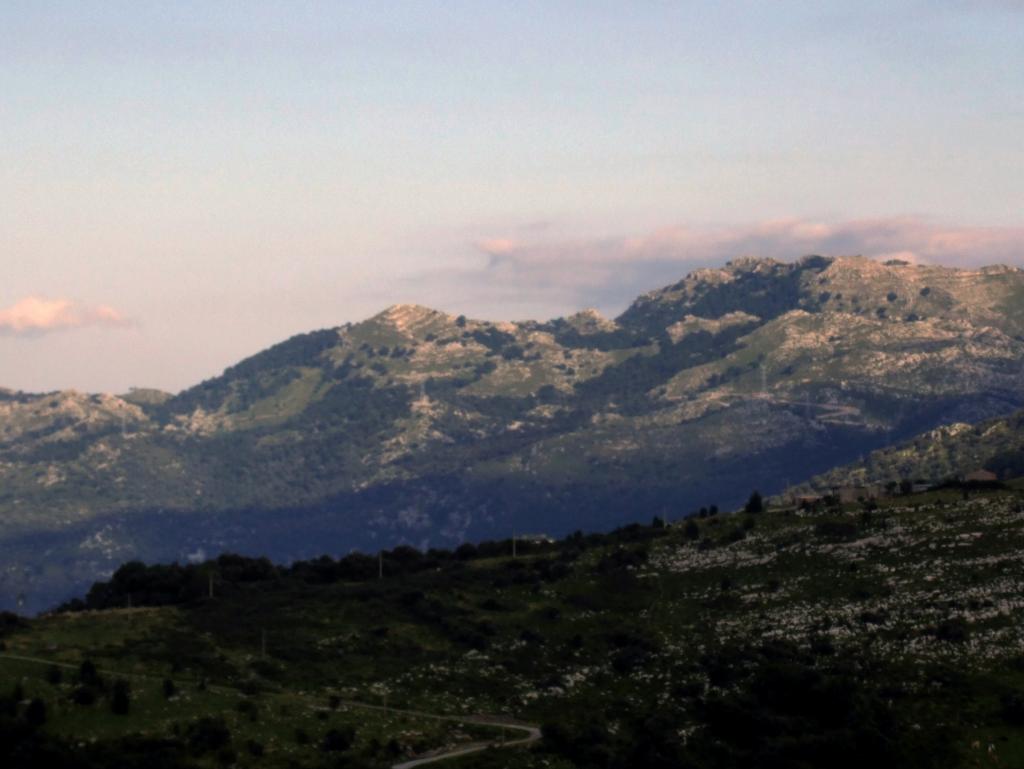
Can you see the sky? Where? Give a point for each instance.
(183, 184)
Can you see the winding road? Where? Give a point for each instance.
(531, 733)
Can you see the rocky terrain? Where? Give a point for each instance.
(952, 451)
(417, 426)
(851, 635)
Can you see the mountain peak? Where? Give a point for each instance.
(590, 321)
(753, 263)
(410, 318)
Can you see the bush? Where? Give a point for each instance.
(1012, 708)
(35, 713)
(88, 675)
(952, 631)
(755, 504)
(83, 695)
(337, 740)
(120, 700)
(207, 734)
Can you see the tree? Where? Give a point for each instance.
(120, 701)
(88, 675)
(755, 504)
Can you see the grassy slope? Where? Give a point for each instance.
(928, 585)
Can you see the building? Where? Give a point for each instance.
(981, 476)
(850, 494)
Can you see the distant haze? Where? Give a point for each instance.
(183, 184)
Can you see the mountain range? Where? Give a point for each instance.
(421, 427)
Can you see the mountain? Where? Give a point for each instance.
(845, 638)
(422, 427)
(950, 451)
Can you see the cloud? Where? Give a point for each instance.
(34, 316)
(526, 275)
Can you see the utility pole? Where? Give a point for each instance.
(380, 565)
(514, 553)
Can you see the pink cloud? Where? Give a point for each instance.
(35, 315)
(529, 271)
(912, 239)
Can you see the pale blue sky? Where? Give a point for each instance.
(226, 174)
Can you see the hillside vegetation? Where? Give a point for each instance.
(848, 636)
(950, 451)
(421, 427)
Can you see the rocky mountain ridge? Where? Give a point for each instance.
(420, 426)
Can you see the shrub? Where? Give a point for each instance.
(755, 504)
(952, 631)
(1012, 708)
(83, 695)
(120, 700)
(88, 675)
(207, 734)
(337, 740)
(35, 713)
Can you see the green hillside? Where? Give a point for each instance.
(421, 427)
(889, 635)
(951, 451)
